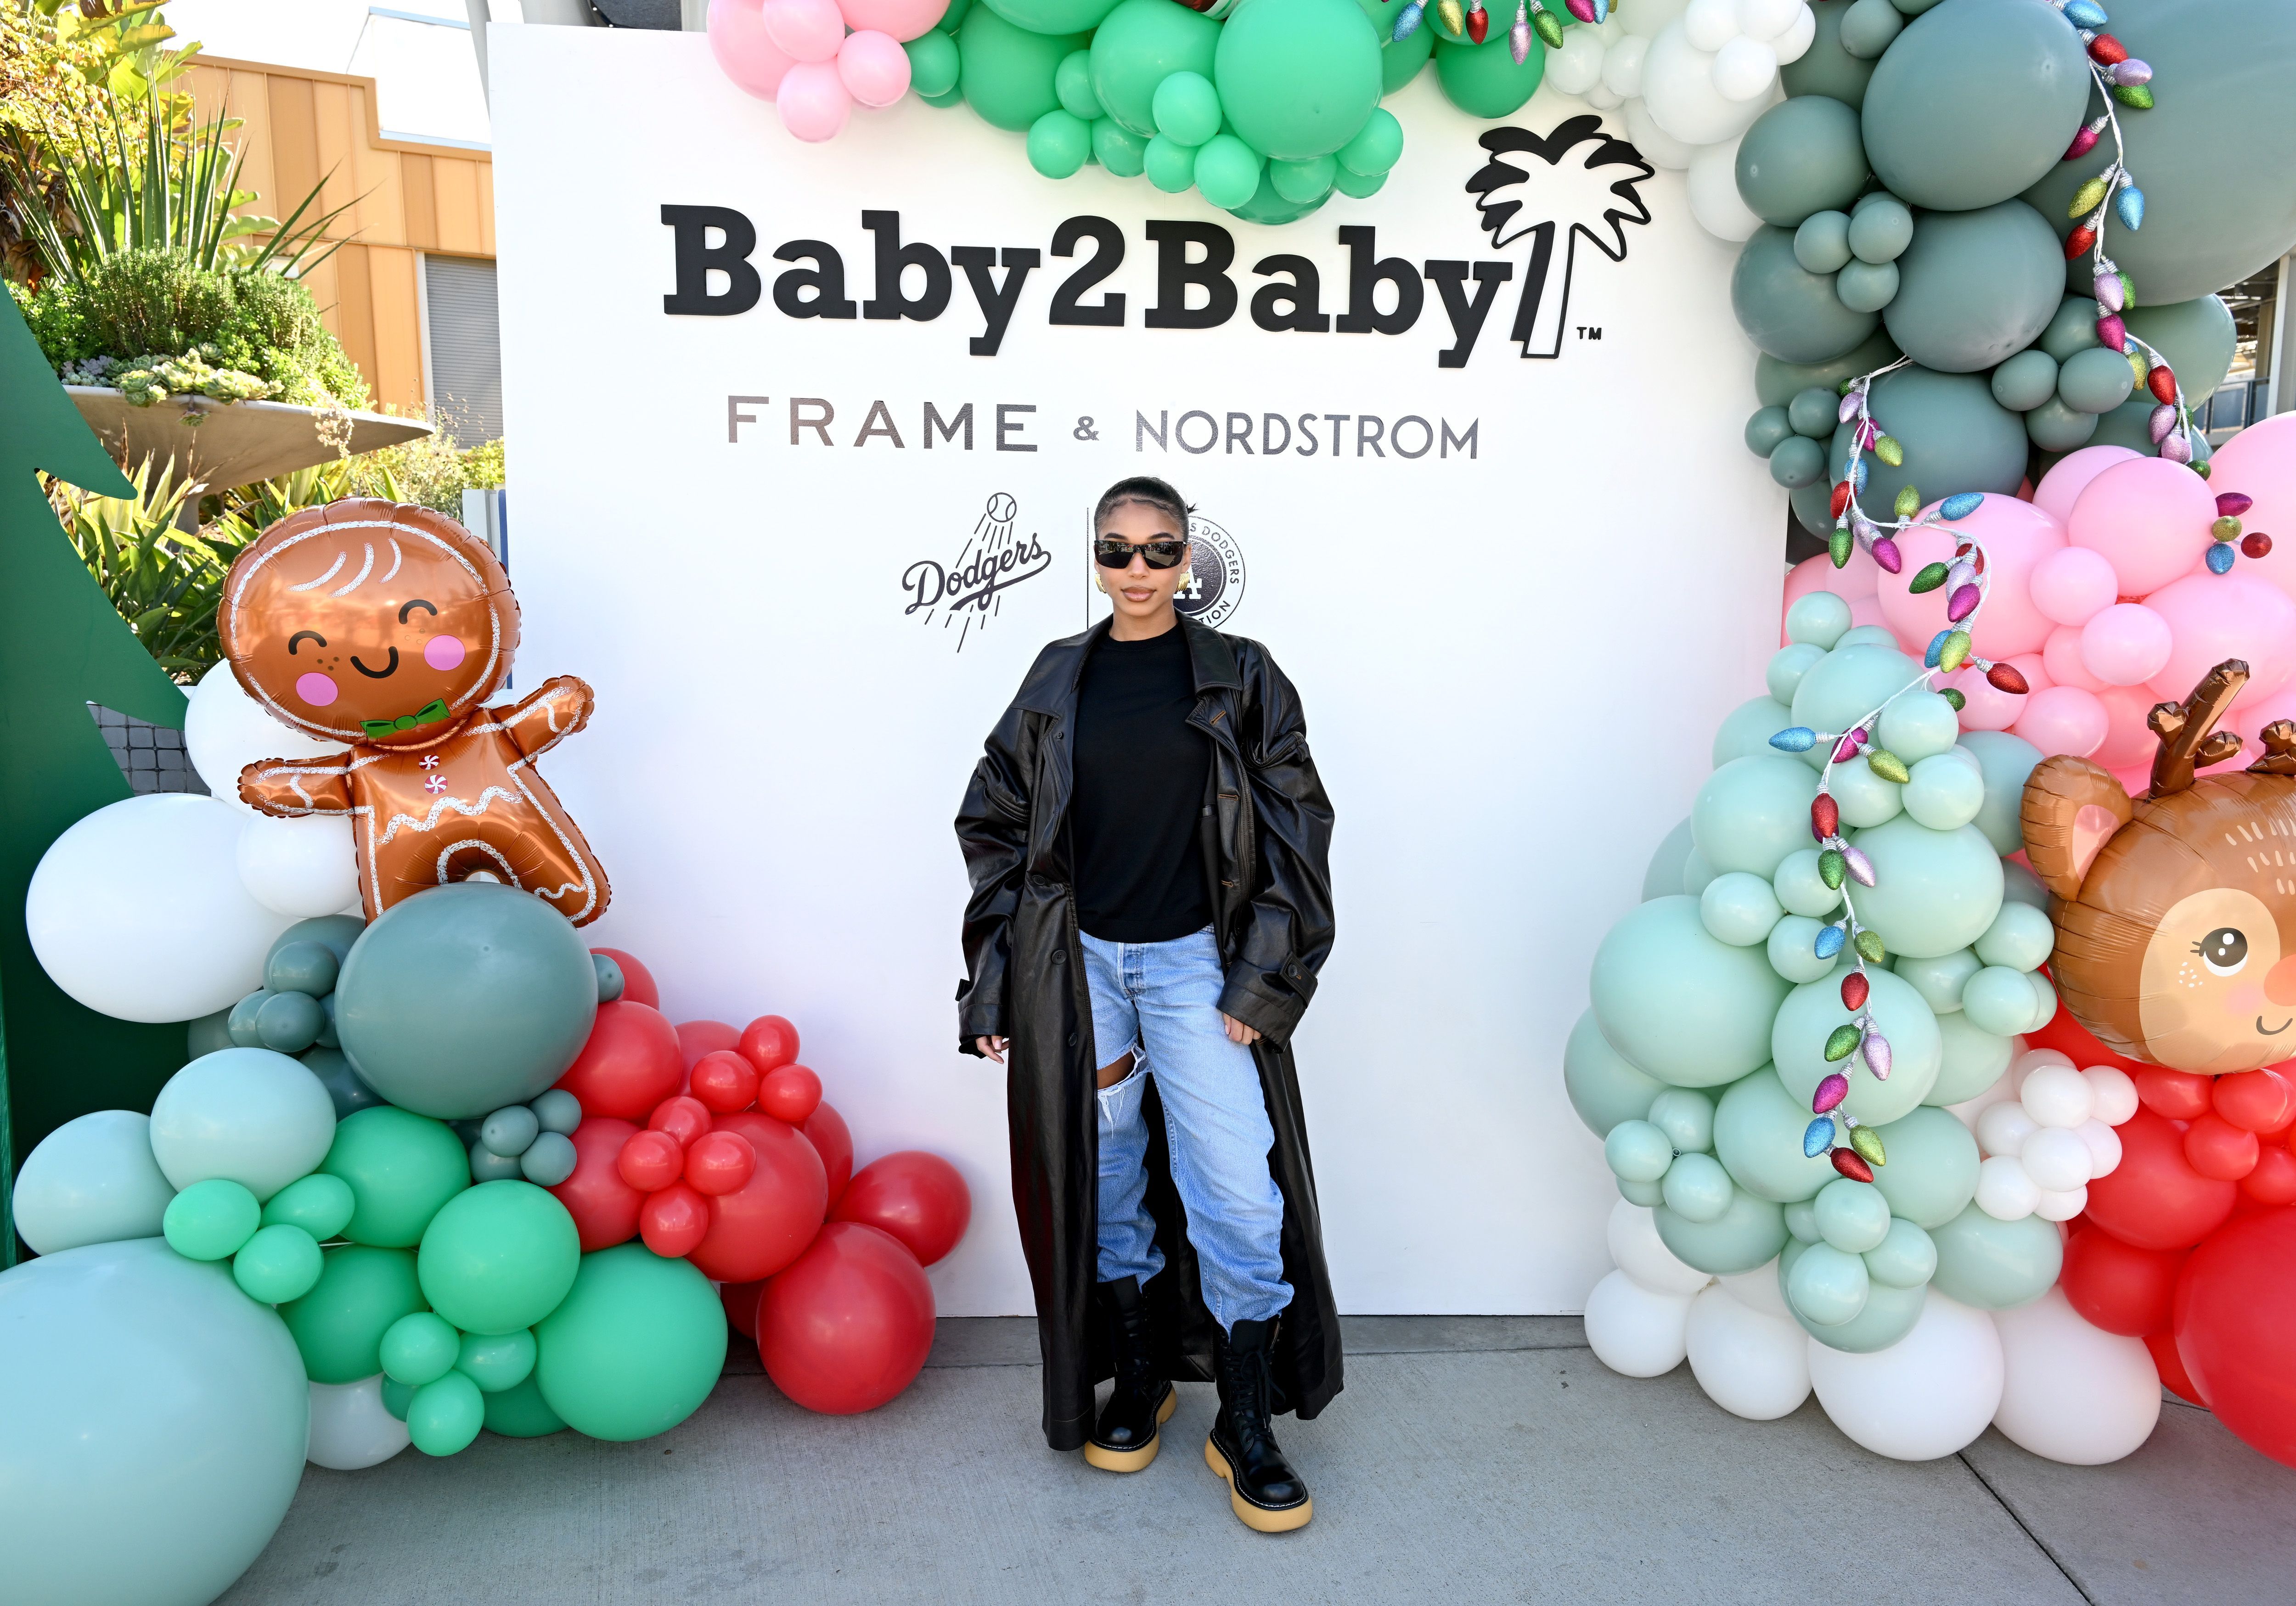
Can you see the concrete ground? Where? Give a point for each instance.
(1470, 1460)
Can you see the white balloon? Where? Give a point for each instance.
(1678, 88)
(1800, 34)
(2072, 1392)
(350, 1429)
(1752, 1365)
(1622, 67)
(1928, 1394)
(138, 911)
(1635, 1246)
(1711, 24)
(2114, 1091)
(1659, 148)
(1759, 1289)
(2004, 1191)
(226, 730)
(2005, 1129)
(93, 1180)
(1714, 199)
(256, 1116)
(2057, 1095)
(2057, 1160)
(1603, 98)
(1968, 1110)
(1766, 18)
(1634, 1331)
(1744, 68)
(2103, 1147)
(2062, 1204)
(1577, 66)
(2031, 1059)
(306, 867)
(1647, 19)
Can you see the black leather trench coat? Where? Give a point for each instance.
(1265, 834)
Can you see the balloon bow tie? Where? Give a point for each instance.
(430, 713)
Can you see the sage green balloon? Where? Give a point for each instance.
(1906, 1257)
(1938, 978)
(1777, 382)
(1141, 42)
(1825, 1286)
(1299, 77)
(1868, 27)
(1932, 1173)
(1485, 80)
(1696, 1188)
(1688, 1010)
(1798, 461)
(1782, 674)
(1819, 618)
(1059, 141)
(1662, 877)
(2094, 381)
(2210, 220)
(2055, 426)
(519, 1412)
(1752, 812)
(333, 932)
(339, 1325)
(1974, 102)
(634, 1348)
(1956, 437)
(1881, 232)
(1746, 730)
(1838, 690)
(497, 1361)
(307, 967)
(1813, 412)
(321, 1204)
(1996, 1265)
(2027, 379)
(446, 1415)
(1888, 1315)
(1801, 889)
(1868, 286)
(1808, 1017)
(1822, 240)
(1975, 287)
(499, 1256)
(1863, 796)
(2196, 337)
(1825, 68)
(419, 1347)
(1997, 1000)
(2071, 328)
(1119, 150)
(401, 1168)
(1747, 1235)
(933, 63)
(1637, 1150)
(2006, 761)
(1851, 1216)
(1006, 71)
(1918, 725)
(210, 1220)
(1739, 908)
(1800, 157)
(2131, 425)
(1791, 950)
(1786, 310)
(1686, 1117)
(1934, 891)
(1227, 170)
(280, 1263)
(1758, 1127)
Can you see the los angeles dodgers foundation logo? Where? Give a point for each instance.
(1214, 589)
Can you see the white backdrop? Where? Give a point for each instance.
(1512, 659)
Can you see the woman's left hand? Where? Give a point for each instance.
(1237, 1032)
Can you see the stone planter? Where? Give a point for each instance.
(226, 444)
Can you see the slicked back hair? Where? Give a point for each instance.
(1148, 491)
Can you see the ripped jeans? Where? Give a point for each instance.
(1161, 1000)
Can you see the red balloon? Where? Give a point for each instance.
(638, 981)
(2274, 1180)
(604, 1207)
(696, 1039)
(2117, 1287)
(833, 1140)
(674, 1221)
(917, 1197)
(683, 1118)
(2217, 1148)
(766, 1222)
(724, 1081)
(2181, 1095)
(651, 1160)
(2235, 1307)
(2261, 1102)
(2073, 1040)
(629, 1065)
(740, 1302)
(848, 1326)
(2166, 1361)
(719, 1162)
(2154, 1199)
(769, 1042)
(789, 1093)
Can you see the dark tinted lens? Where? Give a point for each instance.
(1114, 552)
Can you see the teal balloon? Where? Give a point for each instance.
(1745, 732)
(239, 1023)
(1752, 812)
(401, 1168)
(635, 1346)
(1881, 232)
(1485, 80)
(1906, 1257)
(1072, 82)
(1681, 1006)
(288, 1023)
(92, 1180)
(1053, 16)
(1776, 383)
(1637, 1150)
(2027, 379)
(1934, 891)
(1170, 167)
(464, 998)
(1852, 1216)
(1825, 68)
(210, 1220)
(1758, 1128)
(1303, 183)
(1401, 60)
(1141, 42)
(420, 1348)
(345, 1091)
(2094, 381)
(1798, 461)
(1297, 78)
(2055, 427)
(207, 1034)
(156, 1420)
(1789, 312)
(1696, 1188)
(1822, 240)
(499, 1256)
(1975, 101)
(339, 1325)
(1792, 950)
(1686, 1117)
(1839, 690)
(321, 1204)
(1996, 1265)
(1868, 286)
(2006, 761)
(1956, 438)
(308, 968)
(1918, 725)
(1888, 1315)
(1800, 886)
(397, 1396)
(1059, 141)
(2196, 337)
(1006, 71)
(1377, 146)
(1186, 108)
(1938, 978)
(1813, 412)
(933, 63)
(1932, 1173)
(446, 1415)
(519, 1412)
(1118, 149)
(333, 932)
(1824, 1286)
(1802, 156)
(1747, 1235)
(1662, 876)
(1868, 28)
(1864, 798)
(1818, 618)
(1975, 287)
(1227, 170)
(1782, 674)
(279, 1264)
(1808, 1017)
(497, 1361)
(1739, 909)
(1269, 206)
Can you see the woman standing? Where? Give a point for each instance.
(1148, 845)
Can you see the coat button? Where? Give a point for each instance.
(1072, 1039)
(1059, 956)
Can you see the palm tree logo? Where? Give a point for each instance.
(1540, 319)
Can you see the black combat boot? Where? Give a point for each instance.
(1125, 1438)
(1267, 1494)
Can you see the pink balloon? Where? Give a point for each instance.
(2073, 584)
(2063, 720)
(2217, 616)
(2064, 482)
(2129, 742)
(874, 68)
(904, 20)
(737, 38)
(2149, 517)
(2063, 659)
(2035, 668)
(1851, 583)
(813, 101)
(806, 30)
(2124, 646)
(2015, 535)
(2260, 463)
(1988, 707)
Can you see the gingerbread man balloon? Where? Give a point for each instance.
(388, 626)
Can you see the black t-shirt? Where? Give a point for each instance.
(1141, 773)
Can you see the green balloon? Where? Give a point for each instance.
(519, 1412)
(1686, 1117)
(1932, 1173)
(1637, 1150)
(464, 998)
(1800, 157)
(1299, 77)
(1776, 383)
(1807, 1019)
(1139, 45)
(2055, 426)
(1995, 1264)
(2094, 381)
(1006, 73)
(1934, 891)
(499, 1256)
(1906, 1257)
(2196, 337)
(1186, 108)
(1696, 1188)
(1977, 287)
(933, 63)
(1938, 978)
(1227, 170)
(1171, 167)
(1956, 438)
(1303, 183)
(1401, 60)
(1798, 461)
(1852, 1216)
(1377, 146)
(1681, 1006)
(497, 1361)
(339, 1325)
(1119, 150)
(1054, 16)
(1072, 82)
(1881, 231)
(1739, 908)
(1974, 100)
(1745, 732)
(1822, 240)
(1825, 68)
(1058, 144)
(1662, 876)
(1918, 725)
(1791, 950)
(446, 1415)
(1789, 312)
(1758, 1129)
(210, 1220)
(635, 1348)
(1868, 27)
(953, 16)
(2006, 761)
(2131, 425)
(1766, 429)
(1813, 412)
(951, 97)
(1750, 1233)
(1484, 81)
(336, 933)
(2071, 328)
(2027, 379)
(1824, 1286)
(1868, 286)
(288, 1023)
(278, 1264)
(420, 1348)
(1889, 1313)
(1752, 812)
(1838, 690)
(321, 1204)
(308, 968)
(1266, 206)
(401, 1168)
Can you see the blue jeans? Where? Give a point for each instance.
(1161, 1000)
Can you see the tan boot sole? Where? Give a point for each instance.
(1257, 1518)
(1133, 1461)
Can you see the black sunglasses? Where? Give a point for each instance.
(1113, 552)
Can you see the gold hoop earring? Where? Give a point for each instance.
(1098, 584)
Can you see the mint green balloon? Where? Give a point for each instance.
(1739, 908)
(1801, 1221)
(2021, 936)
(1932, 1173)
(1054, 16)
(1752, 812)
(1303, 183)
(1650, 1195)
(1227, 170)
(1996, 1265)
(1746, 1235)
(497, 1361)
(1934, 891)
(420, 1348)
(1170, 167)
(1906, 1257)
(339, 1325)
(1662, 876)
(1686, 1117)
(1006, 71)
(1845, 686)
(397, 1396)
(321, 1204)
(1118, 150)
(1792, 950)
(1800, 890)
(1852, 1216)
(519, 1412)
(1696, 1188)
(1269, 208)
(1695, 871)
(445, 1415)
(1817, 618)
(1807, 1019)
(1058, 144)
(278, 1264)
(1758, 1129)
(1637, 1152)
(1997, 1000)
(1864, 798)
(1781, 675)
(1072, 82)
(2006, 761)
(210, 1220)
(1746, 730)
(635, 1348)
(1357, 186)
(1975, 1059)
(1297, 77)
(1485, 80)
(1889, 1313)
(1944, 791)
(1376, 147)
(933, 63)
(499, 1257)
(1401, 60)
(1681, 1006)
(1824, 1286)
(1186, 108)
(401, 1168)
(1141, 42)
(1603, 1088)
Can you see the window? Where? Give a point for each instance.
(463, 348)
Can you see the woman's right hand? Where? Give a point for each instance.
(991, 1048)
